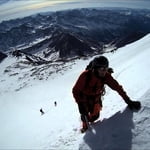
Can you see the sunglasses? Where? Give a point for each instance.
(102, 69)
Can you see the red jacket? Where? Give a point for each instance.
(94, 86)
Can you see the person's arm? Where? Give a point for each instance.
(113, 84)
(78, 87)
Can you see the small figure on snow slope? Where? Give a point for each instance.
(42, 112)
(89, 89)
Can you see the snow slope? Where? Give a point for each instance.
(23, 127)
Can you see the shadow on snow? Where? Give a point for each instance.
(110, 134)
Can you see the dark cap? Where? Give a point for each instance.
(100, 61)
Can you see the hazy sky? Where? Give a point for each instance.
(10, 9)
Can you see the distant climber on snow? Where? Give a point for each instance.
(42, 112)
(55, 103)
(89, 89)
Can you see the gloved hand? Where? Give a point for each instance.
(110, 70)
(134, 105)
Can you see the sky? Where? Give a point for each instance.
(20, 8)
(23, 127)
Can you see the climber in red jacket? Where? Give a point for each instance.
(90, 87)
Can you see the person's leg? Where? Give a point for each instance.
(95, 108)
(83, 109)
(95, 113)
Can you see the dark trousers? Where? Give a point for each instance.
(90, 109)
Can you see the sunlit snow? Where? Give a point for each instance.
(23, 127)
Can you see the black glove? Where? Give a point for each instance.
(134, 105)
(110, 70)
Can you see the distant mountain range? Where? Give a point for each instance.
(71, 33)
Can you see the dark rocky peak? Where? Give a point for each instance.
(17, 53)
(69, 45)
(2, 56)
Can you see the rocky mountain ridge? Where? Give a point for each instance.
(71, 33)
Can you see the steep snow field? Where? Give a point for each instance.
(23, 127)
